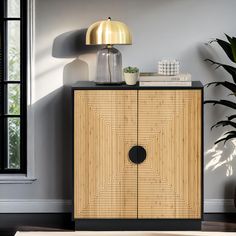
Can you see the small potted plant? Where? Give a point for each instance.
(131, 75)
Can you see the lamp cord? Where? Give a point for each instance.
(109, 64)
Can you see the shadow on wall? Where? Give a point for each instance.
(72, 44)
(49, 125)
(67, 45)
(230, 188)
(215, 159)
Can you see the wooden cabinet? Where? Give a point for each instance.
(167, 123)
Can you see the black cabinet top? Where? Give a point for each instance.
(89, 85)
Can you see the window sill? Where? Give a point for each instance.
(16, 179)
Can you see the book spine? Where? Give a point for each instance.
(167, 84)
(165, 78)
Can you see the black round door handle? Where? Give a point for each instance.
(137, 154)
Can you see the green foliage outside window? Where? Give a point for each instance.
(14, 108)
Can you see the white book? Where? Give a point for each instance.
(157, 77)
(166, 84)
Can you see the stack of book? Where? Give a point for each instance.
(154, 79)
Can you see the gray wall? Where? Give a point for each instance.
(161, 29)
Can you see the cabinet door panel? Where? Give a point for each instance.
(105, 128)
(169, 128)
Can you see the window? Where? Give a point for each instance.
(13, 94)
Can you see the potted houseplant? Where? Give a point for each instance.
(131, 75)
(229, 48)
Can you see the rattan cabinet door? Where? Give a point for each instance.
(169, 128)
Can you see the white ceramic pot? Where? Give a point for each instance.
(131, 78)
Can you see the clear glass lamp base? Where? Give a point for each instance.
(109, 66)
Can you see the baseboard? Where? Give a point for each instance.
(219, 217)
(64, 206)
(219, 206)
(10, 223)
(35, 206)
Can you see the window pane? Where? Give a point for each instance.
(13, 8)
(13, 99)
(13, 132)
(13, 50)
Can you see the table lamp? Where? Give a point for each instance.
(109, 59)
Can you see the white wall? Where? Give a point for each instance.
(160, 28)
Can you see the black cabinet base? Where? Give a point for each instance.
(132, 224)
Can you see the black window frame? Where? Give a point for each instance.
(23, 88)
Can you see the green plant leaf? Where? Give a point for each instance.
(227, 48)
(222, 102)
(233, 46)
(226, 84)
(130, 69)
(231, 117)
(224, 123)
(230, 69)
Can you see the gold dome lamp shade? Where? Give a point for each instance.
(109, 59)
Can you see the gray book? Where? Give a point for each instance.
(166, 83)
(149, 76)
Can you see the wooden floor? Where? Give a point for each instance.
(213, 228)
(128, 233)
